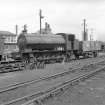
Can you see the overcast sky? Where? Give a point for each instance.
(62, 15)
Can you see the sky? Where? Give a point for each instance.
(62, 15)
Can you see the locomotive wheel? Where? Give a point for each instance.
(33, 66)
(41, 65)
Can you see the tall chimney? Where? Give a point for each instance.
(41, 17)
(86, 35)
(16, 29)
(85, 31)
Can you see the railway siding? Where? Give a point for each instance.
(73, 66)
(60, 89)
(75, 82)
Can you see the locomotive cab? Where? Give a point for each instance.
(71, 45)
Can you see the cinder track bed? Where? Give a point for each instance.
(46, 85)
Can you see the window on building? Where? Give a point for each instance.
(6, 47)
(13, 39)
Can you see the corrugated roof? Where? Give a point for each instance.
(45, 38)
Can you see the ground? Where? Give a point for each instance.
(90, 92)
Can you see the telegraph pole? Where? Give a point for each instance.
(41, 17)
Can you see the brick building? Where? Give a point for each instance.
(10, 43)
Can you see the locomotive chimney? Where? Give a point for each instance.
(25, 29)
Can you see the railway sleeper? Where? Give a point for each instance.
(36, 102)
(57, 92)
(43, 100)
(51, 95)
(75, 82)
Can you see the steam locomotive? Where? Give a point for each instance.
(55, 47)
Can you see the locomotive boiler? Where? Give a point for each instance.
(47, 46)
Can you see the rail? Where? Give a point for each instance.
(38, 97)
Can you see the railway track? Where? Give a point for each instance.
(50, 81)
(51, 93)
(55, 69)
(42, 96)
(73, 68)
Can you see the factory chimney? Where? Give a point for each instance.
(85, 33)
(16, 29)
(47, 28)
(41, 17)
